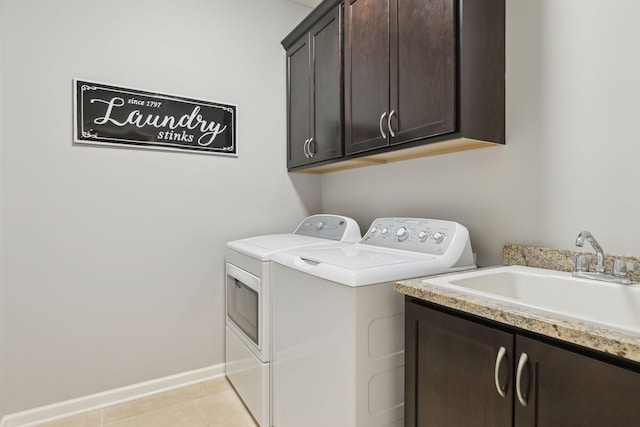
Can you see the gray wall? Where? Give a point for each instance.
(2, 381)
(572, 153)
(114, 257)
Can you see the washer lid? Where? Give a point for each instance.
(359, 265)
(356, 257)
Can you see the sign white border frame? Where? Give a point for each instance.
(141, 146)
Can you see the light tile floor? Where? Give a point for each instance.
(211, 403)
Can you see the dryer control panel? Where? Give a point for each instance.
(431, 236)
(333, 227)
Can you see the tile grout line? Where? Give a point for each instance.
(192, 398)
(144, 413)
(195, 402)
(193, 395)
(47, 414)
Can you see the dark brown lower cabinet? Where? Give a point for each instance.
(461, 373)
(563, 388)
(450, 370)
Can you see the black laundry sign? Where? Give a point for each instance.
(113, 115)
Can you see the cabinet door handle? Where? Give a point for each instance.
(502, 391)
(306, 149)
(312, 152)
(384, 135)
(391, 132)
(521, 364)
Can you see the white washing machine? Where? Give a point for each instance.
(338, 325)
(247, 333)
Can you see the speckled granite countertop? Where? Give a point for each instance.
(608, 340)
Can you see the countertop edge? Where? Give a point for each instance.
(607, 340)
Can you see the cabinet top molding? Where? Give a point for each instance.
(308, 22)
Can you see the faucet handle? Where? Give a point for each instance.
(582, 262)
(621, 266)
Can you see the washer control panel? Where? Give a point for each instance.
(333, 227)
(431, 236)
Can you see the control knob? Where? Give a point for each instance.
(320, 226)
(423, 235)
(403, 234)
(385, 231)
(439, 237)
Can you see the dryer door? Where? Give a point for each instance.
(243, 302)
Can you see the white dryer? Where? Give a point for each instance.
(247, 332)
(338, 325)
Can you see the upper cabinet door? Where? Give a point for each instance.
(366, 74)
(423, 69)
(298, 101)
(327, 96)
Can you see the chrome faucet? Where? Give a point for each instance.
(619, 269)
(596, 246)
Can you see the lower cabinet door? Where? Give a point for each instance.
(564, 389)
(458, 373)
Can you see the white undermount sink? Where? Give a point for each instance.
(607, 304)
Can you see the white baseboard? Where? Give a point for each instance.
(108, 398)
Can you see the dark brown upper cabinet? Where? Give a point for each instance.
(400, 71)
(419, 78)
(315, 93)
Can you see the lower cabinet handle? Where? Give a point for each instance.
(391, 132)
(502, 391)
(305, 149)
(311, 153)
(384, 135)
(521, 364)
